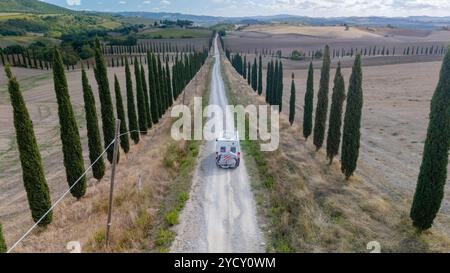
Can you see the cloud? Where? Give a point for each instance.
(147, 2)
(165, 2)
(73, 2)
(122, 2)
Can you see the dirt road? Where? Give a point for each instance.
(221, 214)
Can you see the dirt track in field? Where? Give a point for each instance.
(221, 213)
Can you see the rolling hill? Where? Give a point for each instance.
(31, 6)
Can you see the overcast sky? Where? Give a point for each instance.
(230, 8)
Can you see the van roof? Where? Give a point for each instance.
(229, 135)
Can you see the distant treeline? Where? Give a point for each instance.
(298, 54)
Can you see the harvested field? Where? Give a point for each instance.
(307, 39)
(322, 32)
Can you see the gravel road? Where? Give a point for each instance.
(221, 213)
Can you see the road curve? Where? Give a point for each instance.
(220, 215)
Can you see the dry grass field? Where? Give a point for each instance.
(306, 38)
(322, 32)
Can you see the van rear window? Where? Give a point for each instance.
(233, 149)
(223, 149)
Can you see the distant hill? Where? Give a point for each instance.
(420, 22)
(30, 6)
(197, 19)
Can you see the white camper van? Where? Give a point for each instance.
(228, 150)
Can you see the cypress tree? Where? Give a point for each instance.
(255, 75)
(142, 116)
(244, 68)
(273, 91)
(268, 81)
(249, 73)
(158, 88)
(93, 133)
(169, 83)
(309, 103)
(260, 88)
(292, 102)
(154, 108)
(70, 137)
(132, 118)
(124, 141)
(433, 170)
(280, 87)
(322, 100)
(32, 169)
(101, 75)
(161, 88)
(352, 121)
(3, 247)
(148, 116)
(335, 121)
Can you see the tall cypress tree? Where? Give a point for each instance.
(268, 80)
(124, 141)
(309, 103)
(142, 117)
(154, 107)
(273, 92)
(169, 83)
(70, 137)
(3, 247)
(433, 170)
(32, 169)
(93, 133)
(162, 86)
(292, 102)
(255, 75)
(249, 73)
(322, 100)
(101, 75)
(148, 116)
(158, 87)
(280, 87)
(244, 68)
(260, 87)
(132, 118)
(335, 121)
(352, 121)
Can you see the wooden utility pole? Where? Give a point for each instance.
(113, 173)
